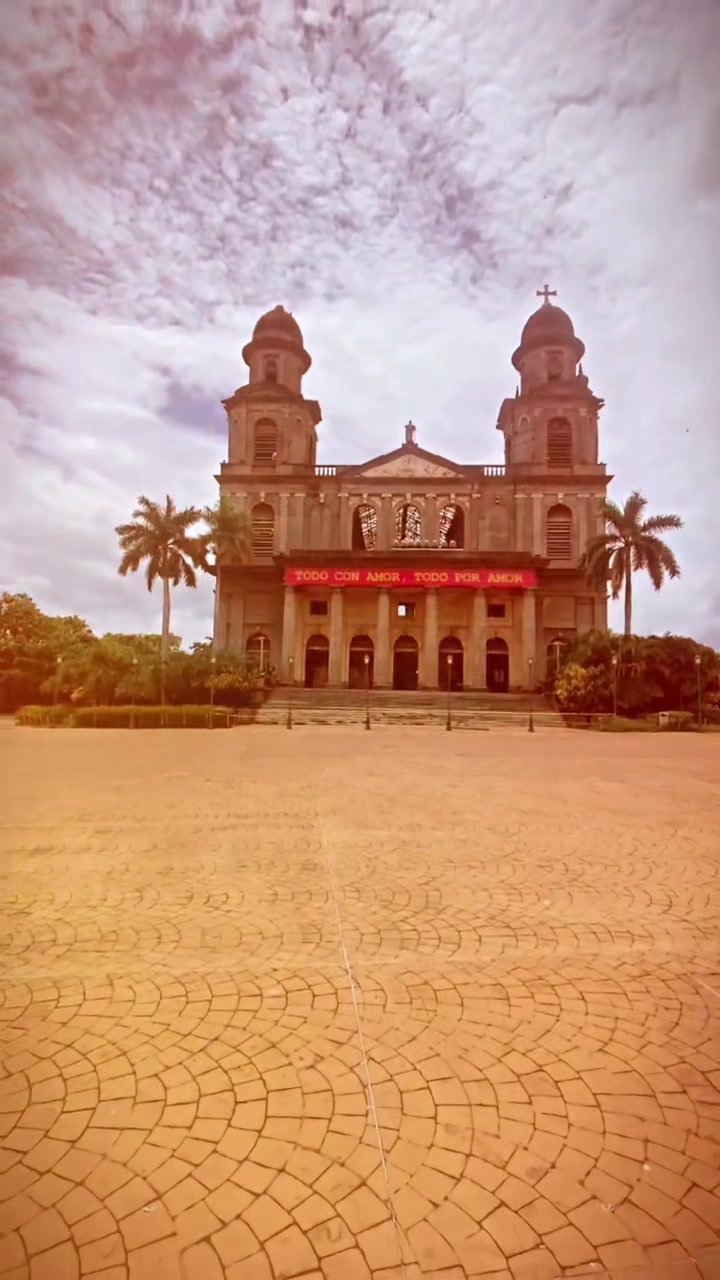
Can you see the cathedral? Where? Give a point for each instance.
(411, 570)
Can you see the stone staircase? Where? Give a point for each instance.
(395, 707)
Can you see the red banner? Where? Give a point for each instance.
(484, 579)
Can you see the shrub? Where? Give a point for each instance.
(43, 717)
(189, 717)
(621, 724)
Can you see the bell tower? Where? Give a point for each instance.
(271, 426)
(552, 423)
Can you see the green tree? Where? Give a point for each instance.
(629, 544)
(33, 649)
(158, 537)
(228, 539)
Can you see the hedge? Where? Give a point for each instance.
(189, 717)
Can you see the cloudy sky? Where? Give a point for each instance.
(402, 175)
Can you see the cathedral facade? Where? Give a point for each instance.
(411, 570)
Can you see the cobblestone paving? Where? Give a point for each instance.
(335, 1005)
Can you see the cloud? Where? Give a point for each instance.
(402, 178)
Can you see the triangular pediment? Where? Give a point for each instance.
(411, 462)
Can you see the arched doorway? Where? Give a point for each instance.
(497, 666)
(450, 647)
(317, 658)
(405, 663)
(361, 647)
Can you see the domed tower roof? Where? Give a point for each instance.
(279, 321)
(549, 326)
(277, 328)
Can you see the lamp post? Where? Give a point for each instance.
(448, 722)
(289, 721)
(698, 661)
(213, 660)
(58, 665)
(531, 722)
(614, 664)
(132, 690)
(366, 660)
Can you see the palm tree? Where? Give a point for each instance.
(159, 535)
(628, 544)
(228, 538)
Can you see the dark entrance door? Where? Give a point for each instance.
(450, 647)
(360, 671)
(405, 663)
(497, 666)
(317, 656)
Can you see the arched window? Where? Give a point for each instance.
(364, 528)
(271, 369)
(559, 443)
(558, 533)
(258, 650)
(263, 529)
(452, 526)
(265, 443)
(554, 365)
(408, 526)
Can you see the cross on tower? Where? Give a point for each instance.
(545, 293)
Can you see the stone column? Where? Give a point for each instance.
(383, 665)
(429, 654)
(538, 548)
(478, 639)
(344, 530)
(282, 534)
(521, 532)
(235, 616)
(300, 531)
(335, 672)
(386, 532)
(582, 526)
(288, 634)
(529, 642)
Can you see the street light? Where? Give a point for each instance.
(698, 661)
(213, 660)
(289, 721)
(58, 664)
(132, 690)
(531, 722)
(366, 660)
(614, 662)
(448, 722)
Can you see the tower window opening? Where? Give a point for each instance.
(558, 533)
(559, 443)
(364, 528)
(408, 526)
(263, 530)
(271, 370)
(265, 443)
(452, 526)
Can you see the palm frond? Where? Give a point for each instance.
(661, 524)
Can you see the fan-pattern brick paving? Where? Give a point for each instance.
(331, 1005)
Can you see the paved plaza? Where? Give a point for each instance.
(328, 1004)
